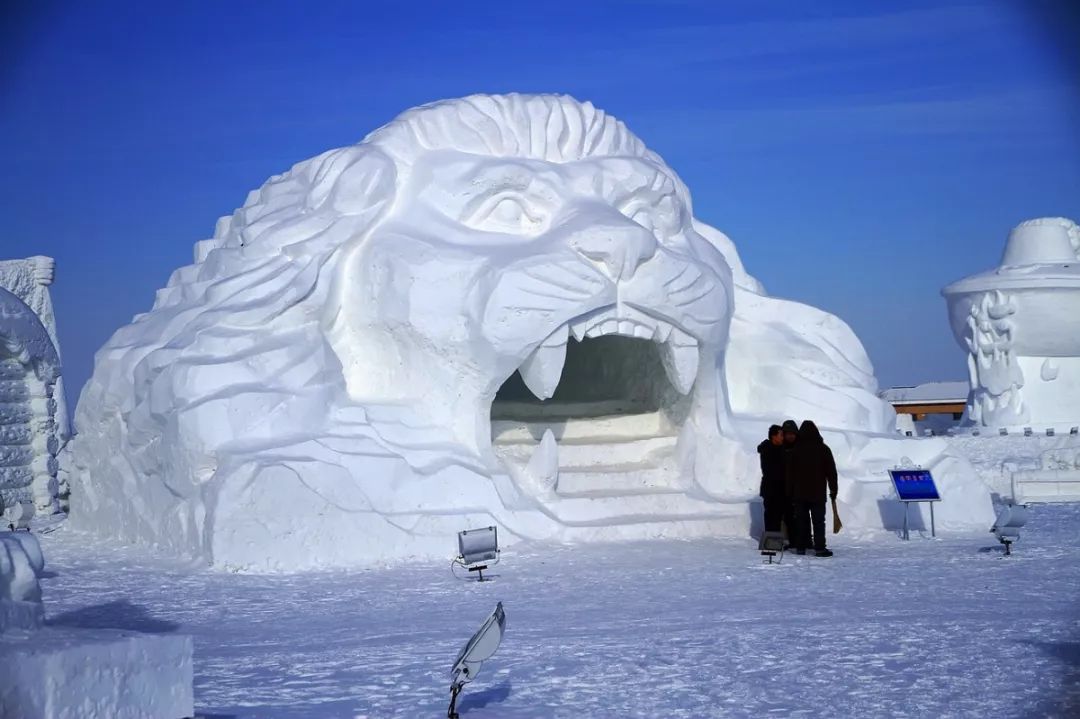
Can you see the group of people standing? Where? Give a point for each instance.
(797, 469)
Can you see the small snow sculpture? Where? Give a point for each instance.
(29, 441)
(66, 671)
(1020, 324)
(493, 310)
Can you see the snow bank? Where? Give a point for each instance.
(498, 309)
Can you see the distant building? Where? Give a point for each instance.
(928, 408)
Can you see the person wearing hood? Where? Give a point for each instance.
(812, 474)
(773, 479)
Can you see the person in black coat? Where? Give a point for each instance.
(811, 473)
(773, 479)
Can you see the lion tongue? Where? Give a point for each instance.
(542, 369)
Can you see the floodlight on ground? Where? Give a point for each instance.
(477, 650)
(1008, 523)
(1003, 431)
(975, 432)
(771, 544)
(1049, 431)
(1027, 431)
(1074, 431)
(478, 549)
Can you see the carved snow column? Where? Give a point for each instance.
(29, 368)
(1020, 324)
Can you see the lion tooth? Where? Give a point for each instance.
(578, 329)
(542, 369)
(662, 332)
(543, 467)
(602, 328)
(680, 358)
(643, 332)
(626, 327)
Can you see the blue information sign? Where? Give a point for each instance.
(914, 485)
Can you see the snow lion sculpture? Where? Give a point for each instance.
(493, 310)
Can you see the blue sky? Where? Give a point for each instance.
(861, 155)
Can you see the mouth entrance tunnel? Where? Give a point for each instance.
(603, 377)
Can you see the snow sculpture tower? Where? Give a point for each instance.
(1020, 324)
(492, 310)
(29, 437)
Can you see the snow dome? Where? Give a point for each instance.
(492, 310)
(1020, 324)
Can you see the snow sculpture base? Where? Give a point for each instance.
(1020, 324)
(95, 674)
(58, 673)
(493, 310)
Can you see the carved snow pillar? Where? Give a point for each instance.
(29, 368)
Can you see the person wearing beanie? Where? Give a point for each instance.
(812, 474)
(773, 479)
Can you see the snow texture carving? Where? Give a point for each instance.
(492, 310)
(996, 378)
(29, 440)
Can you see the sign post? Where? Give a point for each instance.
(915, 485)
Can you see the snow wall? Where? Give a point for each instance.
(492, 310)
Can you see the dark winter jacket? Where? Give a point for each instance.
(812, 469)
(772, 470)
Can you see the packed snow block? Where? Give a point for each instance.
(18, 576)
(20, 615)
(496, 310)
(59, 673)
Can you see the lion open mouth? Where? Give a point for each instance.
(614, 388)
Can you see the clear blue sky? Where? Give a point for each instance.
(860, 154)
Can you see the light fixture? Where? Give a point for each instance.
(771, 544)
(1027, 431)
(1003, 431)
(1049, 431)
(477, 650)
(1074, 431)
(477, 548)
(1008, 523)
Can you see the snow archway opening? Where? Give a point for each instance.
(615, 416)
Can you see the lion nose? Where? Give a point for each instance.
(617, 243)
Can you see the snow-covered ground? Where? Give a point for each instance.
(926, 628)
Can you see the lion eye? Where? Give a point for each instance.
(509, 211)
(503, 213)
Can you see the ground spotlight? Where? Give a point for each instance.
(771, 544)
(477, 548)
(477, 650)
(1008, 523)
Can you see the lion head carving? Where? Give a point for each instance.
(493, 309)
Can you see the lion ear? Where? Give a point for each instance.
(354, 180)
